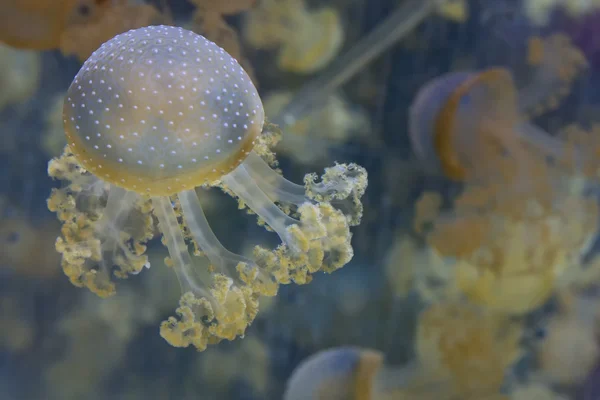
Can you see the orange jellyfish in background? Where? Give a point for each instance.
(74, 26)
(462, 118)
(151, 115)
(525, 215)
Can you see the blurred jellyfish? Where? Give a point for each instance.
(153, 114)
(469, 348)
(389, 32)
(73, 26)
(94, 339)
(582, 28)
(310, 139)
(209, 21)
(440, 130)
(19, 75)
(221, 369)
(83, 37)
(461, 354)
(342, 373)
(525, 214)
(18, 333)
(26, 248)
(307, 40)
(454, 10)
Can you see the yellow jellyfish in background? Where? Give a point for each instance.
(151, 115)
(306, 40)
(525, 214)
(462, 352)
(74, 26)
(19, 75)
(465, 351)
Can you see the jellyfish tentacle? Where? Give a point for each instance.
(556, 63)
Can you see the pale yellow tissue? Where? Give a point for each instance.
(410, 266)
(248, 361)
(454, 10)
(95, 337)
(332, 124)
(307, 39)
(18, 330)
(19, 75)
(538, 11)
(470, 348)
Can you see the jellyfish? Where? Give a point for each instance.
(82, 38)
(307, 40)
(440, 136)
(311, 138)
(461, 353)
(454, 10)
(153, 114)
(73, 26)
(468, 348)
(355, 373)
(221, 369)
(38, 24)
(19, 75)
(340, 373)
(524, 216)
(27, 249)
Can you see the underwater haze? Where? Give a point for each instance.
(299, 199)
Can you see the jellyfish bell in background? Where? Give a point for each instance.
(307, 40)
(341, 373)
(349, 373)
(19, 76)
(525, 214)
(75, 27)
(38, 24)
(459, 112)
(154, 113)
(461, 352)
(82, 38)
(466, 349)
